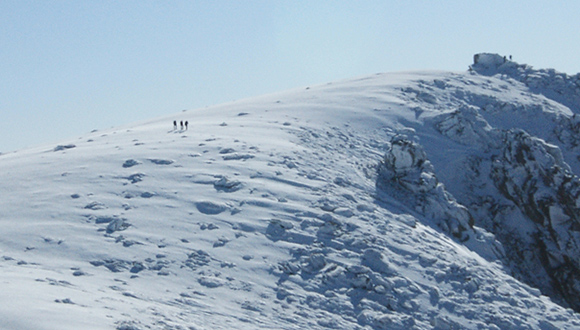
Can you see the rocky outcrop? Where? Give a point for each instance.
(532, 174)
(514, 174)
(406, 169)
(535, 211)
(568, 131)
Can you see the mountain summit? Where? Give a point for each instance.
(415, 200)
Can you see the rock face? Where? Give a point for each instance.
(533, 175)
(407, 169)
(528, 197)
(516, 175)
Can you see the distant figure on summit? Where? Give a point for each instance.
(181, 123)
(174, 124)
(186, 123)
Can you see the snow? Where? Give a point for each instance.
(266, 213)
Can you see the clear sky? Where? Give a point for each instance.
(68, 67)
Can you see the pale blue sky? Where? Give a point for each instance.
(68, 67)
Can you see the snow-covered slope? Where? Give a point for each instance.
(424, 200)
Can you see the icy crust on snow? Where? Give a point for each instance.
(352, 205)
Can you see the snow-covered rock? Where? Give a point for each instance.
(532, 174)
(405, 166)
(558, 86)
(467, 126)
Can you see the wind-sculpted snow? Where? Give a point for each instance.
(425, 200)
(467, 126)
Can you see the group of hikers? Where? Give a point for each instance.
(180, 123)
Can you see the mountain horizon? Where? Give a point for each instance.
(409, 200)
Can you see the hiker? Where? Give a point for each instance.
(174, 124)
(181, 123)
(186, 123)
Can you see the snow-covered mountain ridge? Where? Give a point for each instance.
(422, 200)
